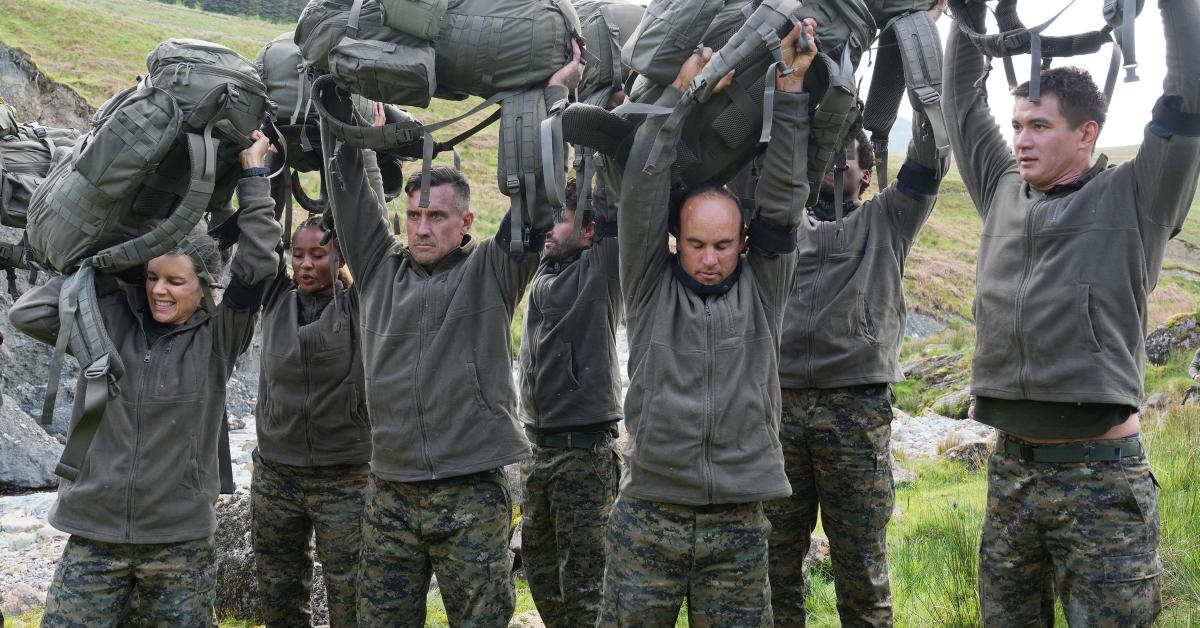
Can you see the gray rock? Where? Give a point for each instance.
(28, 454)
(512, 473)
(1180, 333)
(922, 326)
(954, 405)
(818, 552)
(237, 585)
(1156, 400)
(974, 454)
(20, 598)
(941, 370)
(903, 477)
(36, 97)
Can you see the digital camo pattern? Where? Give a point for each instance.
(290, 508)
(660, 554)
(96, 582)
(567, 497)
(837, 453)
(455, 528)
(1087, 530)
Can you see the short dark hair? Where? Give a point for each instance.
(571, 202)
(443, 175)
(711, 190)
(317, 221)
(1079, 100)
(866, 157)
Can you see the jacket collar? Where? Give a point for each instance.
(823, 214)
(703, 290)
(452, 259)
(1074, 186)
(555, 267)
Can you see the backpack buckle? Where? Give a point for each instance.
(103, 260)
(97, 369)
(927, 95)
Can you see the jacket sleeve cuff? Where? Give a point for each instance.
(242, 297)
(537, 239)
(917, 181)
(605, 229)
(769, 238)
(1169, 119)
(555, 93)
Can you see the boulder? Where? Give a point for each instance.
(973, 455)
(818, 553)
(938, 370)
(954, 405)
(902, 477)
(36, 97)
(1179, 333)
(237, 585)
(28, 454)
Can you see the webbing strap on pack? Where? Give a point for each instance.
(554, 168)
(95, 400)
(921, 52)
(170, 232)
(585, 168)
(67, 306)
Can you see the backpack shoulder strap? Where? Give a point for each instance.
(170, 232)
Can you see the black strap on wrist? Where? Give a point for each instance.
(256, 171)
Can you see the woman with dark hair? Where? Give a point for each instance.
(141, 512)
(314, 441)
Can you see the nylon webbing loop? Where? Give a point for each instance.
(68, 305)
(95, 400)
(170, 232)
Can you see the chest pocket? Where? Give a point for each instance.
(178, 368)
(1060, 217)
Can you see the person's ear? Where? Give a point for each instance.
(468, 220)
(745, 239)
(1091, 132)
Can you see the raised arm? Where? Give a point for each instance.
(35, 313)
(356, 200)
(783, 188)
(1168, 162)
(980, 152)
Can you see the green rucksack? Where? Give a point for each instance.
(717, 135)
(163, 150)
(289, 89)
(605, 25)
(480, 48)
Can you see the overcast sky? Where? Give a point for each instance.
(1132, 102)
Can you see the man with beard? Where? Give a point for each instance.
(839, 350)
(570, 403)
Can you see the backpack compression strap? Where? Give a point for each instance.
(918, 52)
(170, 232)
(519, 130)
(1015, 39)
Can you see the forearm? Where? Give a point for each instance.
(1181, 24)
(645, 201)
(980, 151)
(782, 189)
(257, 258)
(356, 201)
(35, 313)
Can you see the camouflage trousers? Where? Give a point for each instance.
(1088, 531)
(567, 497)
(456, 528)
(837, 454)
(659, 554)
(96, 582)
(289, 507)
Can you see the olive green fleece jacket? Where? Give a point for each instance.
(151, 473)
(703, 405)
(845, 318)
(1063, 275)
(569, 370)
(311, 409)
(436, 341)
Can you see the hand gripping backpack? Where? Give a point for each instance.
(165, 149)
(717, 135)
(295, 121)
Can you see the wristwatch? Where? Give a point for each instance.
(257, 171)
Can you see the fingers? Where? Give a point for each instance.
(724, 82)
(379, 117)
